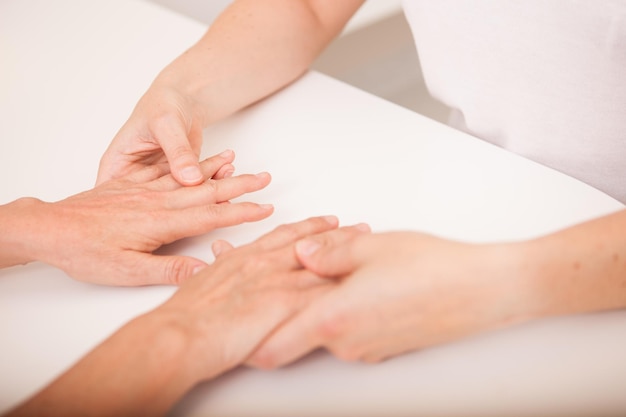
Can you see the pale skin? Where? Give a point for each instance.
(401, 291)
(210, 325)
(164, 133)
(107, 235)
(257, 47)
(253, 49)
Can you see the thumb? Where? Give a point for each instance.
(332, 254)
(174, 270)
(220, 247)
(183, 161)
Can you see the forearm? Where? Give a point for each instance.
(253, 49)
(143, 369)
(210, 325)
(580, 269)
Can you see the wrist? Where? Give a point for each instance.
(173, 346)
(535, 267)
(557, 280)
(516, 296)
(185, 82)
(202, 358)
(577, 270)
(151, 373)
(21, 231)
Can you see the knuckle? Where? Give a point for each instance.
(256, 263)
(332, 325)
(212, 186)
(287, 231)
(209, 216)
(176, 271)
(250, 266)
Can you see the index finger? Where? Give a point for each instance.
(290, 233)
(333, 253)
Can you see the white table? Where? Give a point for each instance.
(70, 73)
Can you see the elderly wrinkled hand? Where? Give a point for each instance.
(107, 235)
(233, 304)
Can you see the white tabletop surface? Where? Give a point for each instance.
(70, 73)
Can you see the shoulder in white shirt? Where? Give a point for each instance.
(544, 79)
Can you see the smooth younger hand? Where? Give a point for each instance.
(397, 292)
(164, 127)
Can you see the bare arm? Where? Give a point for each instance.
(580, 269)
(139, 371)
(403, 291)
(210, 325)
(253, 49)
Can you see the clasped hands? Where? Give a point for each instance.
(362, 296)
(306, 285)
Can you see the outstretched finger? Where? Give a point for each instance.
(149, 269)
(217, 191)
(233, 187)
(225, 171)
(332, 254)
(213, 165)
(194, 221)
(290, 233)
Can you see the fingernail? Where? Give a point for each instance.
(363, 227)
(216, 248)
(266, 206)
(191, 174)
(229, 173)
(226, 153)
(331, 220)
(307, 247)
(262, 174)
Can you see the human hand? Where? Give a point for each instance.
(397, 292)
(210, 325)
(165, 126)
(107, 235)
(232, 305)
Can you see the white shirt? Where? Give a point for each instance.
(544, 79)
